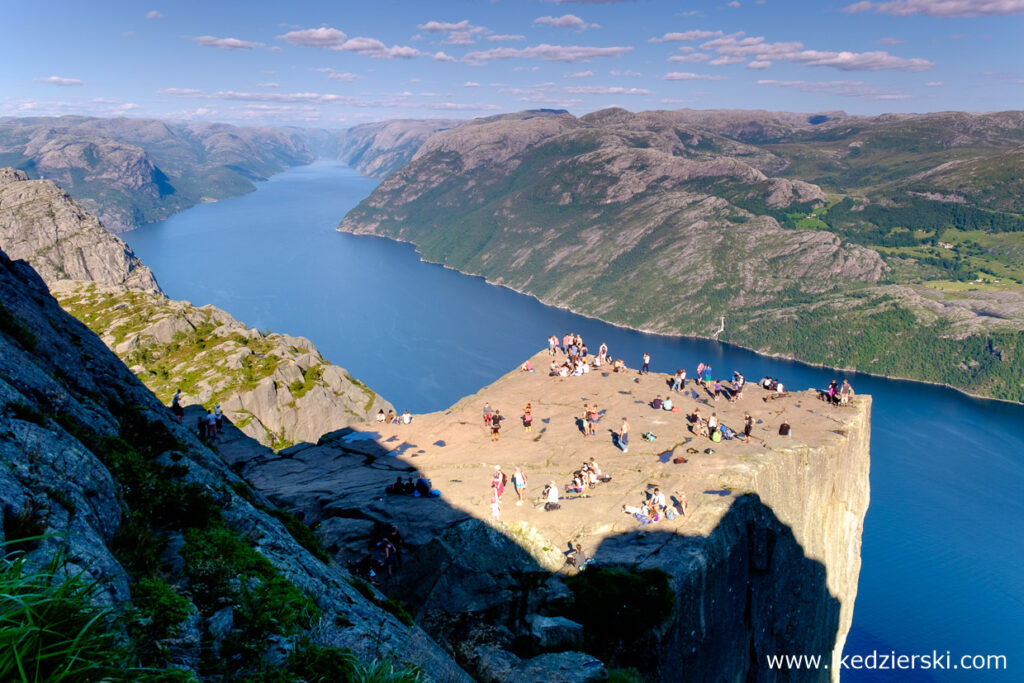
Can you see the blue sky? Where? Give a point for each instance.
(336, 63)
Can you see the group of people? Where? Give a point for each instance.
(383, 555)
(421, 487)
(393, 418)
(836, 395)
(208, 424)
(654, 507)
(498, 483)
(588, 476)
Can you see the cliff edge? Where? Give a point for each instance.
(765, 560)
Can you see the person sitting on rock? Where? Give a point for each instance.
(423, 486)
(390, 419)
(618, 365)
(380, 415)
(785, 429)
(551, 496)
(657, 403)
(406, 417)
(667, 404)
(397, 487)
(577, 558)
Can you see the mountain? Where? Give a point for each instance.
(40, 223)
(377, 149)
(133, 552)
(846, 241)
(134, 171)
(275, 388)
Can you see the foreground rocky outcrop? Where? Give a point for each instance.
(276, 388)
(201, 572)
(764, 561)
(40, 223)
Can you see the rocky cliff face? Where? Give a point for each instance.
(765, 560)
(276, 388)
(189, 558)
(377, 149)
(40, 223)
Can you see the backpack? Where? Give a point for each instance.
(504, 479)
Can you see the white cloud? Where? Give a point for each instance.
(844, 88)
(605, 90)
(687, 76)
(333, 75)
(315, 37)
(934, 84)
(226, 43)
(737, 47)
(153, 14)
(693, 58)
(579, 74)
(57, 80)
(504, 38)
(268, 85)
(564, 21)
(759, 64)
(371, 47)
(627, 72)
(459, 33)
(940, 8)
(470, 84)
(551, 53)
(686, 35)
(442, 56)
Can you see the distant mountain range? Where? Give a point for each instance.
(892, 244)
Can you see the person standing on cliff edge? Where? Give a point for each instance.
(646, 367)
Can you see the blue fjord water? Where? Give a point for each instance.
(943, 547)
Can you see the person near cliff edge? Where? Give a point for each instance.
(624, 436)
(519, 484)
(645, 369)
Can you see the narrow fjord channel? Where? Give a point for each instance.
(943, 541)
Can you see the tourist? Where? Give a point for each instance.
(219, 417)
(646, 367)
(551, 493)
(658, 499)
(736, 394)
(718, 389)
(624, 436)
(390, 419)
(667, 404)
(712, 424)
(679, 381)
(657, 403)
(380, 415)
(519, 484)
(498, 482)
(748, 426)
(423, 486)
(618, 365)
(211, 425)
(201, 425)
(592, 419)
(527, 418)
(176, 408)
(585, 421)
(577, 558)
(553, 345)
(488, 412)
(603, 352)
(785, 429)
(707, 377)
(527, 367)
(495, 425)
(846, 393)
(406, 417)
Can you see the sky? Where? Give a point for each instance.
(335, 63)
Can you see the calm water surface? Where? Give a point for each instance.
(943, 550)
